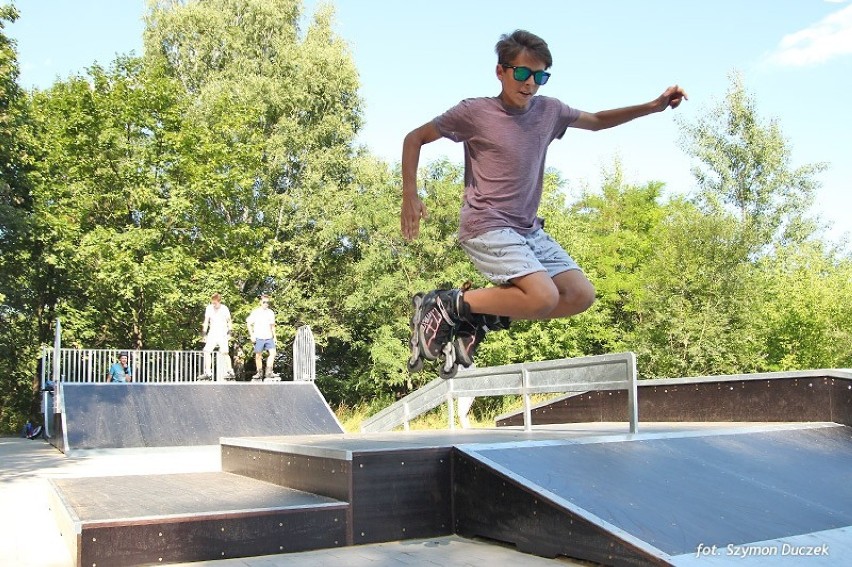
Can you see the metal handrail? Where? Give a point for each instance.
(602, 372)
(304, 355)
(92, 365)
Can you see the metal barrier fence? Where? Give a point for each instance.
(92, 365)
(604, 372)
(304, 355)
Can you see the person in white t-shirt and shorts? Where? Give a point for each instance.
(217, 333)
(261, 327)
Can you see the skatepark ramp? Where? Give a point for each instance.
(100, 416)
(604, 372)
(698, 498)
(791, 396)
(675, 494)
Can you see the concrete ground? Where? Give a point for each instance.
(29, 535)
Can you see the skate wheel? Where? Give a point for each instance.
(448, 374)
(449, 360)
(416, 367)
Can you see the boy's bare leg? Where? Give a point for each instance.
(258, 362)
(270, 359)
(535, 296)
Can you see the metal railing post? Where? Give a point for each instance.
(525, 377)
(57, 344)
(451, 413)
(48, 415)
(632, 394)
(304, 355)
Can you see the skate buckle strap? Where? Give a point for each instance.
(444, 313)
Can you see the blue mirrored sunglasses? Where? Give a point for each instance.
(523, 73)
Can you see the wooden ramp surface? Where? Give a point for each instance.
(674, 494)
(99, 416)
(132, 520)
(660, 500)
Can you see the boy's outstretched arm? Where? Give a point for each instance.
(671, 97)
(413, 208)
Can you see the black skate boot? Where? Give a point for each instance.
(470, 335)
(415, 361)
(441, 313)
(436, 316)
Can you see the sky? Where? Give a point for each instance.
(418, 58)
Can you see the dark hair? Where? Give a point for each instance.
(512, 45)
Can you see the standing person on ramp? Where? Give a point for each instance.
(217, 333)
(505, 144)
(261, 328)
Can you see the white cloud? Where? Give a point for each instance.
(830, 37)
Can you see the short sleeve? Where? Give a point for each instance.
(455, 124)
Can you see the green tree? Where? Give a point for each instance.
(707, 286)
(116, 249)
(744, 167)
(209, 164)
(698, 314)
(615, 236)
(385, 271)
(270, 166)
(806, 308)
(18, 325)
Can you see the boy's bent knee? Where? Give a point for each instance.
(576, 294)
(585, 297)
(542, 302)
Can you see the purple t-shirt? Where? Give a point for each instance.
(504, 152)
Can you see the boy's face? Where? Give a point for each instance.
(518, 94)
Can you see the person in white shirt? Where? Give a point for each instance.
(217, 334)
(261, 328)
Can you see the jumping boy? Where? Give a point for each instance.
(505, 143)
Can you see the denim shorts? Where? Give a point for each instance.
(503, 254)
(261, 345)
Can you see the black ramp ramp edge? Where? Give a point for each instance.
(488, 503)
(101, 416)
(676, 493)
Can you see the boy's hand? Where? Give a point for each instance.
(671, 98)
(413, 210)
